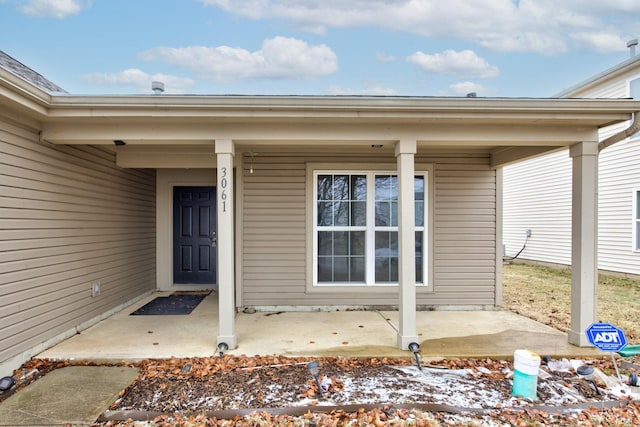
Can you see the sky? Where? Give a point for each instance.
(495, 48)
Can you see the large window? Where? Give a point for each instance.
(356, 228)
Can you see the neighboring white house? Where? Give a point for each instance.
(537, 192)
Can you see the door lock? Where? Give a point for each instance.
(213, 239)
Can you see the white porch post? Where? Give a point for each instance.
(226, 264)
(584, 240)
(405, 152)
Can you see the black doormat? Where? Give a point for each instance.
(173, 304)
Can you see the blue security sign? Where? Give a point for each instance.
(606, 337)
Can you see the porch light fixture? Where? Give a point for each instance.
(415, 348)
(314, 368)
(377, 146)
(253, 154)
(222, 347)
(119, 142)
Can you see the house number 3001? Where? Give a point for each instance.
(223, 187)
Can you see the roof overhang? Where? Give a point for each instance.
(507, 128)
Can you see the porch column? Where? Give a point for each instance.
(405, 152)
(226, 262)
(584, 240)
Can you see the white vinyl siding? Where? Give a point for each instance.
(537, 196)
(276, 241)
(68, 217)
(636, 220)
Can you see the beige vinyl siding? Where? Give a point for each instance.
(274, 246)
(68, 217)
(537, 196)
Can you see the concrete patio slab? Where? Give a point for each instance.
(442, 334)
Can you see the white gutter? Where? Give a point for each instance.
(633, 128)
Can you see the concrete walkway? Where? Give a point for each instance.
(79, 394)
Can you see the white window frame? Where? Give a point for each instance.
(370, 171)
(635, 220)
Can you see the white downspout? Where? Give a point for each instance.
(633, 128)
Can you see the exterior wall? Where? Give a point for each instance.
(619, 177)
(275, 254)
(537, 196)
(68, 218)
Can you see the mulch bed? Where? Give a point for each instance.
(275, 390)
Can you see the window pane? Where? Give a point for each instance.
(325, 269)
(418, 184)
(386, 187)
(358, 214)
(341, 187)
(359, 187)
(357, 269)
(325, 243)
(394, 214)
(386, 257)
(386, 205)
(325, 213)
(357, 243)
(341, 210)
(419, 213)
(341, 269)
(419, 255)
(325, 187)
(341, 243)
(383, 214)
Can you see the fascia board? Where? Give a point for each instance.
(18, 93)
(338, 107)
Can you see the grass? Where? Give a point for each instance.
(544, 294)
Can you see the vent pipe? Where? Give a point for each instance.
(631, 44)
(157, 87)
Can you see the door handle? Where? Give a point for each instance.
(213, 239)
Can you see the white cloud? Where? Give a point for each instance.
(599, 41)
(383, 57)
(463, 63)
(279, 58)
(140, 80)
(53, 8)
(371, 89)
(465, 88)
(542, 26)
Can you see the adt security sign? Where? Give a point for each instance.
(606, 337)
